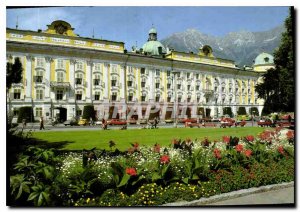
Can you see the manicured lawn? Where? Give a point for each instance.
(78, 140)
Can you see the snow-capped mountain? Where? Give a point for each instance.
(242, 46)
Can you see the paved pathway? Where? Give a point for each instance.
(281, 196)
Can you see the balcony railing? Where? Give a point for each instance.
(54, 84)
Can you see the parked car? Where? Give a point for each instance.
(131, 121)
(215, 119)
(83, 122)
(118, 122)
(143, 121)
(264, 123)
(169, 121)
(71, 122)
(190, 120)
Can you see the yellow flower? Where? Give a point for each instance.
(88, 200)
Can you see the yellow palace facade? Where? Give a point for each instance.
(63, 72)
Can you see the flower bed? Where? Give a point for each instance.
(186, 170)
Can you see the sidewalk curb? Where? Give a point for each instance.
(231, 195)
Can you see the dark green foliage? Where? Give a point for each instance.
(278, 88)
(13, 73)
(241, 111)
(253, 111)
(227, 111)
(89, 112)
(26, 113)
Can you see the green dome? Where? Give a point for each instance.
(151, 48)
(152, 30)
(263, 59)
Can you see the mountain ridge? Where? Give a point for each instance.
(242, 46)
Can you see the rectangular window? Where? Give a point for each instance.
(40, 62)
(17, 93)
(198, 98)
(142, 70)
(178, 86)
(188, 75)
(143, 84)
(143, 98)
(114, 96)
(96, 81)
(157, 98)
(130, 97)
(38, 79)
(189, 87)
(79, 65)
(179, 99)
(197, 87)
(157, 72)
(156, 85)
(168, 99)
(97, 95)
(59, 94)
(197, 76)
(38, 112)
(129, 83)
(79, 95)
(223, 89)
(168, 73)
(60, 76)
(113, 82)
(60, 64)
(168, 86)
(39, 94)
(78, 81)
(98, 66)
(189, 99)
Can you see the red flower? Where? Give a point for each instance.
(174, 141)
(280, 150)
(250, 138)
(226, 139)
(239, 147)
(136, 145)
(248, 153)
(290, 134)
(156, 148)
(165, 159)
(217, 153)
(131, 171)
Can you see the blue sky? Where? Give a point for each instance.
(131, 24)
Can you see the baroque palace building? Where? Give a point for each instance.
(63, 72)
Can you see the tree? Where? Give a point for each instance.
(278, 88)
(227, 111)
(13, 75)
(241, 111)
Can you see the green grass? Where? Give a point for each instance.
(78, 140)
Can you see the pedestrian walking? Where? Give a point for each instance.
(42, 123)
(24, 123)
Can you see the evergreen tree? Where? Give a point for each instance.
(13, 73)
(278, 88)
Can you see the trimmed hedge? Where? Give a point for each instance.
(26, 113)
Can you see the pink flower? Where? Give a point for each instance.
(239, 147)
(165, 159)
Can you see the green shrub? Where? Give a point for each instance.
(241, 111)
(227, 111)
(25, 113)
(89, 112)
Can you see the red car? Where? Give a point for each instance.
(190, 120)
(264, 123)
(117, 122)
